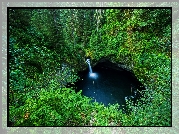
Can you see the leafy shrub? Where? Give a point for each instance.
(61, 107)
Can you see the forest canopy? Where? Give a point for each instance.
(47, 47)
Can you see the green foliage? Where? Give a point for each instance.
(48, 46)
(60, 107)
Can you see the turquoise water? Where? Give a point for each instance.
(109, 86)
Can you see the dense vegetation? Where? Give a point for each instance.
(48, 46)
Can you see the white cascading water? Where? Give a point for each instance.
(88, 61)
(91, 74)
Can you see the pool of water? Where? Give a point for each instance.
(108, 85)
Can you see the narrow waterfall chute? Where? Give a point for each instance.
(91, 74)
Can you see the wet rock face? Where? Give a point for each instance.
(108, 64)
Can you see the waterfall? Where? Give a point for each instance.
(90, 69)
(91, 74)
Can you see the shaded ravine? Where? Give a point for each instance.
(111, 86)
